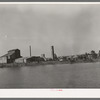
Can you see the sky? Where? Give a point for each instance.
(70, 28)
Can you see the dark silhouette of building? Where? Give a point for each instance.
(10, 56)
(32, 59)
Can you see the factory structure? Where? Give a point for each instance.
(14, 56)
(10, 56)
(35, 59)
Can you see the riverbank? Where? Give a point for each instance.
(45, 63)
(31, 64)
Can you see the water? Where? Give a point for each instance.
(52, 76)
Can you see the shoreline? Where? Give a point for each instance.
(11, 65)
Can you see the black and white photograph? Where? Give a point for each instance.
(49, 46)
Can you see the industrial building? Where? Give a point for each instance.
(10, 56)
(43, 56)
(21, 60)
(29, 59)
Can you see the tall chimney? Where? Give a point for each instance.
(52, 52)
(30, 50)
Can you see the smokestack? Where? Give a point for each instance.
(30, 50)
(52, 51)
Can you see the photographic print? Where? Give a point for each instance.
(49, 46)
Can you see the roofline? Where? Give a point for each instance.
(13, 50)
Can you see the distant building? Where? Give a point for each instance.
(29, 59)
(10, 56)
(4, 59)
(49, 59)
(43, 56)
(21, 60)
(63, 58)
(99, 53)
(34, 59)
(55, 57)
(90, 56)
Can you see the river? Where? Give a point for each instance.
(83, 75)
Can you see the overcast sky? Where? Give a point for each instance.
(72, 29)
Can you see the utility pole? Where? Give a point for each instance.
(30, 50)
